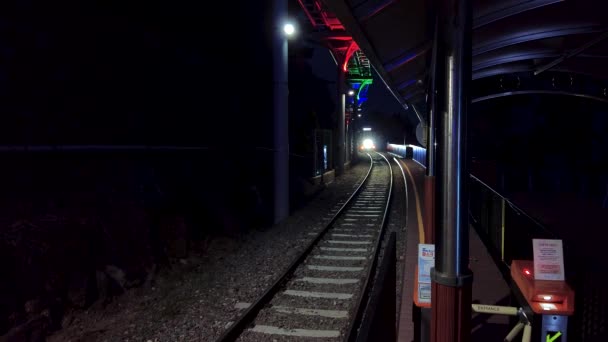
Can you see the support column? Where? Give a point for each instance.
(429, 179)
(452, 279)
(347, 142)
(281, 117)
(340, 146)
(429, 208)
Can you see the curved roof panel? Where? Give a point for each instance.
(509, 36)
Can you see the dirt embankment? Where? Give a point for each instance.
(76, 232)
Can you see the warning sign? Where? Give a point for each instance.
(548, 259)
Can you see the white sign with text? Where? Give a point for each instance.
(548, 259)
(426, 261)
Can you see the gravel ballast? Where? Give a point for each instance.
(200, 296)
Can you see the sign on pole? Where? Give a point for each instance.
(426, 261)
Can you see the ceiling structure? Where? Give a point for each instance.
(328, 31)
(557, 47)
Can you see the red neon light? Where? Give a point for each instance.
(352, 48)
(319, 15)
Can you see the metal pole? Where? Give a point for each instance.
(281, 127)
(429, 179)
(341, 118)
(431, 150)
(351, 141)
(347, 142)
(451, 289)
(452, 261)
(432, 106)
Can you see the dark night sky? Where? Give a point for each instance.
(110, 73)
(161, 73)
(132, 73)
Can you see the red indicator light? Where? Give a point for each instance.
(527, 271)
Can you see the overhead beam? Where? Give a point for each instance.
(407, 57)
(501, 70)
(330, 35)
(509, 69)
(504, 9)
(490, 61)
(517, 37)
(343, 12)
(538, 92)
(554, 82)
(572, 53)
(375, 10)
(414, 94)
(404, 85)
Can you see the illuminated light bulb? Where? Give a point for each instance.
(289, 29)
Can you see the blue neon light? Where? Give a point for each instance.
(408, 151)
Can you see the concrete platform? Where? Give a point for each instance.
(489, 287)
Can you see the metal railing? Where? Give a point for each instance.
(409, 151)
(502, 224)
(499, 222)
(507, 230)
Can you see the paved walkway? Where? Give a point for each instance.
(489, 286)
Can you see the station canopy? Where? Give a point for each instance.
(519, 46)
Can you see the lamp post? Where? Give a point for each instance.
(351, 111)
(340, 150)
(280, 112)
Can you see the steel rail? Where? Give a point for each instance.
(237, 328)
(364, 298)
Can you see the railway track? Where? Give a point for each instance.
(322, 294)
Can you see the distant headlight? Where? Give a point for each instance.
(368, 143)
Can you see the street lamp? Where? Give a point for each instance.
(289, 29)
(284, 30)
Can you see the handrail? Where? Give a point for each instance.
(513, 206)
(487, 186)
(493, 219)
